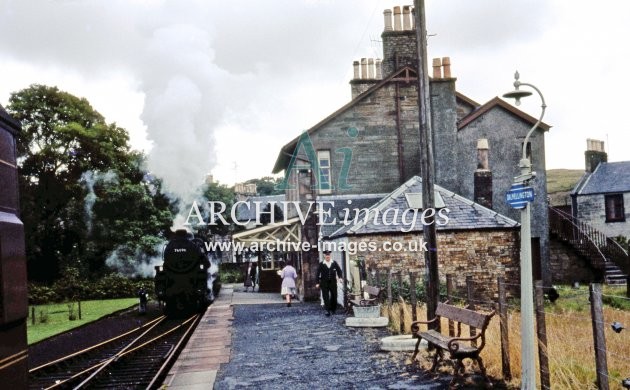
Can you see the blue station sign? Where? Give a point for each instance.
(518, 196)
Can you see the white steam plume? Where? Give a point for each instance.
(89, 179)
(138, 264)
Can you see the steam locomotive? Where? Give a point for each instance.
(187, 281)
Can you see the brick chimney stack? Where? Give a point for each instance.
(366, 73)
(483, 175)
(399, 39)
(594, 154)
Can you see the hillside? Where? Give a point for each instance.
(560, 182)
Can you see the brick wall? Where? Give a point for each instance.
(485, 255)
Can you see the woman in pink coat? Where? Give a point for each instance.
(288, 275)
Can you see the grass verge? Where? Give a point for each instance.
(57, 318)
(569, 340)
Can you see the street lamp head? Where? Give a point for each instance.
(517, 94)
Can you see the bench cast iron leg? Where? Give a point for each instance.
(415, 352)
(436, 358)
(483, 370)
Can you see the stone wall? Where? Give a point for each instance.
(483, 254)
(505, 133)
(566, 266)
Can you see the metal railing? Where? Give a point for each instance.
(590, 242)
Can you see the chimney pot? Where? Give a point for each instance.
(379, 69)
(406, 18)
(482, 143)
(397, 19)
(437, 68)
(357, 72)
(482, 154)
(446, 65)
(483, 175)
(364, 73)
(371, 68)
(387, 14)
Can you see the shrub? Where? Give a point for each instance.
(43, 316)
(40, 294)
(231, 276)
(72, 315)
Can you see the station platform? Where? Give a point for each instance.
(211, 343)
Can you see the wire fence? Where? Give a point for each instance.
(582, 339)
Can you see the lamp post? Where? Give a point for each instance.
(528, 373)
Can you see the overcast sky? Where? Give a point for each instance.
(220, 86)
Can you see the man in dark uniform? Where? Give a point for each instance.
(327, 274)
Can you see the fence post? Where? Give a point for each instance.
(79, 309)
(412, 295)
(449, 297)
(505, 340)
(470, 304)
(401, 302)
(33, 315)
(541, 328)
(599, 339)
(389, 288)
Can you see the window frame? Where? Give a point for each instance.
(324, 154)
(614, 208)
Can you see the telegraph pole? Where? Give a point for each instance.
(426, 164)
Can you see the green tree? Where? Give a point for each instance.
(266, 185)
(63, 138)
(215, 192)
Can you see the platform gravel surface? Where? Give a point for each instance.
(279, 347)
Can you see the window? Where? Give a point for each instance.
(324, 180)
(614, 208)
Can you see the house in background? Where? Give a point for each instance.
(602, 197)
(584, 248)
(371, 144)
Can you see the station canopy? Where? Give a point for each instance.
(279, 232)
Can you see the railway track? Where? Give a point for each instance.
(137, 359)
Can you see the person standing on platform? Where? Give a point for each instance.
(288, 275)
(250, 276)
(327, 274)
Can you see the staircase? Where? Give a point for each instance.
(603, 253)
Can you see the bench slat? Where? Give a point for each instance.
(465, 316)
(441, 341)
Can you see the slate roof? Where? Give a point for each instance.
(464, 214)
(243, 213)
(405, 73)
(497, 102)
(607, 178)
(340, 202)
(8, 122)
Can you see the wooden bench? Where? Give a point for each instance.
(458, 347)
(373, 294)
